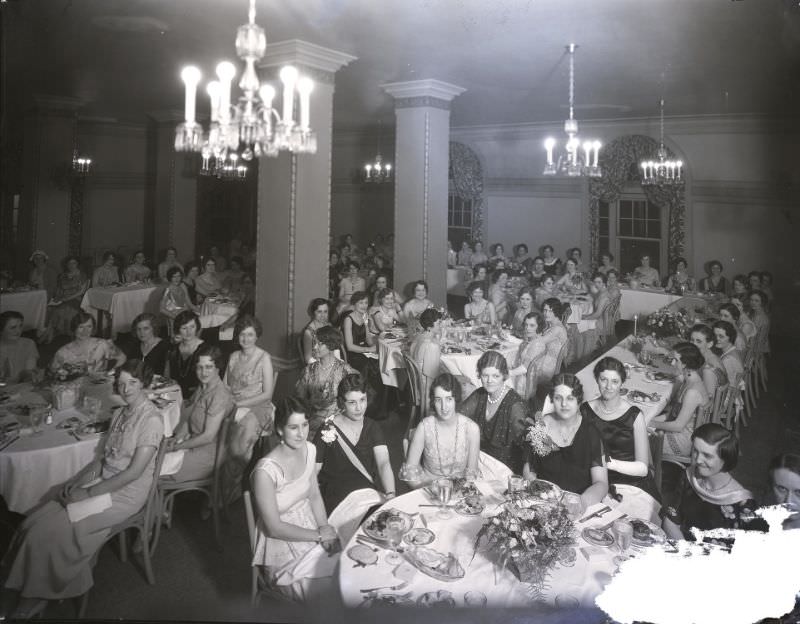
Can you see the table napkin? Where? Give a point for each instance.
(88, 507)
(172, 462)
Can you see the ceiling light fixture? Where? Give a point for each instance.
(662, 172)
(571, 162)
(252, 123)
(377, 172)
(230, 169)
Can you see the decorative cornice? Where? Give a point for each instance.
(422, 101)
(308, 55)
(738, 192)
(429, 87)
(533, 187)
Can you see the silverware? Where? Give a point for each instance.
(605, 527)
(368, 545)
(424, 520)
(597, 514)
(9, 442)
(426, 505)
(390, 588)
(73, 434)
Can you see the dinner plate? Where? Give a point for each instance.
(646, 533)
(362, 555)
(468, 508)
(375, 526)
(598, 537)
(419, 537)
(441, 598)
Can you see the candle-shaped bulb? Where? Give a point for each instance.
(213, 88)
(225, 72)
(304, 88)
(191, 77)
(549, 144)
(289, 79)
(596, 145)
(587, 149)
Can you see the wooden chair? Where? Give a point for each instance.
(143, 522)
(415, 385)
(610, 317)
(656, 440)
(720, 404)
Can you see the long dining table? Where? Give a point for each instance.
(122, 303)
(32, 304)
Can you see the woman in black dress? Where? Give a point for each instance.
(572, 454)
(351, 450)
(149, 347)
(622, 429)
(182, 357)
(499, 412)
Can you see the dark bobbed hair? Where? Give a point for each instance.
(550, 247)
(723, 439)
(535, 258)
(69, 259)
(448, 383)
(429, 317)
(476, 269)
(569, 380)
(7, 316)
(358, 296)
(610, 271)
(727, 327)
(762, 295)
(419, 283)
(540, 324)
(707, 332)
(607, 253)
(496, 275)
(314, 304)
(79, 319)
(741, 278)
(287, 406)
(214, 352)
(754, 274)
(732, 310)
(172, 271)
(192, 264)
(109, 254)
(690, 355)
(601, 275)
(493, 359)
(168, 249)
(610, 364)
(714, 263)
(145, 316)
(185, 317)
(136, 253)
(353, 382)
(237, 259)
(526, 290)
(330, 337)
(383, 292)
(572, 260)
(473, 286)
(680, 259)
(136, 368)
(766, 274)
(248, 320)
(354, 263)
(519, 247)
(555, 305)
(790, 461)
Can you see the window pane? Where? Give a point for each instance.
(653, 211)
(604, 227)
(625, 210)
(639, 210)
(654, 229)
(603, 209)
(625, 227)
(639, 228)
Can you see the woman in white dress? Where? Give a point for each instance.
(530, 350)
(478, 308)
(295, 546)
(419, 302)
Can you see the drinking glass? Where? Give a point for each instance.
(573, 504)
(92, 406)
(444, 490)
(475, 599)
(516, 484)
(623, 534)
(394, 533)
(36, 419)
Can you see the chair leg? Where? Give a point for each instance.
(148, 566)
(159, 520)
(215, 503)
(83, 605)
(254, 587)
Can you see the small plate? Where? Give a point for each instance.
(646, 533)
(441, 598)
(598, 537)
(419, 537)
(375, 526)
(465, 508)
(362, 555)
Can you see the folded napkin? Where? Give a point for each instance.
(172, 463)
(88, 507)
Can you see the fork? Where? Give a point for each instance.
(389, 588)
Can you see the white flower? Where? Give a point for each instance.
(328, 435)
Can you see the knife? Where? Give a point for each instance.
(596, 514)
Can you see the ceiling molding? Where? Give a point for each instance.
(426, 88)
(738, 192)
(311, 55)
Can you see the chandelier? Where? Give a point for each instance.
(377, 172)
(571, 162)
(230, 168)
(80, 165)
(251, 123)
(662, 171)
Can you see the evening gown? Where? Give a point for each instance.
(618, 442)
(444, 454)
(368, 367)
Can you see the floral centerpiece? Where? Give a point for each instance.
(664, 323)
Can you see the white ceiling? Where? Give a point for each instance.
(123, 57)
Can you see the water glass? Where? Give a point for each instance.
(444, 490)
(37, 416)
(394, 533)
(573, 504)
(475, 599)
(623, 534)
(92, 406)
(516, 484)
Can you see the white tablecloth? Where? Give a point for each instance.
(32, 304)
(583, 581)
(457, 280)
(214, 314)
(34, 464)
(643, 302)
(123, 303)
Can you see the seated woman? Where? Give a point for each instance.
(590, 339)
(680, 280)
(554, 340)
(191, 273)
(176, 298)
(547, 290)
(524, 307)
(358, 340)
(446, 444)
(552, 264)
(419, 302)
(537, 272)
(291, 516)
(385, 317)
(498, 411)
(319, 313)
(208, 283)
(170, 261)
(149, 347)
(689, 399)
(452, 255)
(66, 303)
(577, 255)
(784, 481)
(201, 418)
(606, 263)
(622, 429)
(708, 497)
(18, 355)
(766, 285)
(713, 371)
(137, 271)
(729, 313)
(479, 309)
(93, 354)
(52, 557)
(42, 275)
(758, 314)
(320, 379)
(573, 459)
(107, 274)
(530, 350)
(754, 280)
(498, 255)
(647, 275)
(383, 280)
(522, 258)
(350, 285)
(497, 294)
(351, 450)
(334, 273)
(730, 358)
(232, 282)
(426, 350)
(714, 282)
(612, 285)
(478, 256)
(572, 281)
(744, 324)
(182, 357)
(740, 287)
(465, 254)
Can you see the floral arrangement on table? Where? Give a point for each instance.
(71, 371)
(664, 323)
(530, 536)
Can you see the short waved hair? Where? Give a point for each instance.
(610, 364)
(493, 359)
(448, 383)
(353, 382)
(724, 439)
(569, 380)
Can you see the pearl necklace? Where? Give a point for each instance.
(601, 404)
(498, 399)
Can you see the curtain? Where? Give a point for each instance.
(467, 175)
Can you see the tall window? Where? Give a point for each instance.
(632, 227)
(459, 220)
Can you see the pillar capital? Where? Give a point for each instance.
(315, 61)
(418, 93)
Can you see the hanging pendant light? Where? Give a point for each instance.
(662, 172)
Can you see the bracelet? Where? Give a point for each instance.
(319, 536)
(390, 494)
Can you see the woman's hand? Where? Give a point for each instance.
(327, 533)
(76, 494)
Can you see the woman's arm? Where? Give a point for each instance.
(473, 446)
(380, 326)
(414, 456)
(672, 530)
(492, 312)
(385, 469)
(188, 299)
(467, 314)
(710, 380)
(349, 343)
(140, 461)
(691, 401)
(266, 384)
(641, 452)
(113, 352)
(307, 345)
(598, 489)
(600, 305)
(267, 505)
(209, 434)
(88, 473)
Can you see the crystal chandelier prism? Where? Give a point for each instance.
(576, 159)
(662, 172)
(230, 169)
(377, 171)
(252, 124)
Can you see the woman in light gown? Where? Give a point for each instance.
(554, 339)
(497, 294)
(530, 350)
(446, 444)
(295, 546)
(85, 351)
(137, 271)
(524, 307)
(479, 309)
(170, 261)
(42, 275)
(107, 274)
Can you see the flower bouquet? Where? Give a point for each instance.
(328, 431)
(539, 440)
(665, 323)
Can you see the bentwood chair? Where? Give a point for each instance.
(415, 385)
(656, 440)
(610, 317)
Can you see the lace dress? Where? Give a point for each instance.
(445, 450)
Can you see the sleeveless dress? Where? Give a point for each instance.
(482, 315)
(618, 442)
(678, 444)
(444, 455)
(529, 351)
(246, 379)
(500, 436)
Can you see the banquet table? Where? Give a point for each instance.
(215, 312)
(643, 301)
(457, 279)
(34, 464)
(576, 584)
(122, 303)
(32, 304)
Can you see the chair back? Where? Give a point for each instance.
(251, 521)
(656, 440)
(723, 397)
(562, 355)
(611, 315)
(151, 505)
(415, 386)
